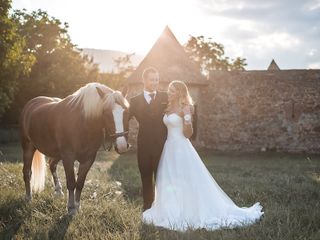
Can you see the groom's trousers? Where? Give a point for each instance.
(148, 160)
(151, 137)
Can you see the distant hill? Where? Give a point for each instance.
(105, 58)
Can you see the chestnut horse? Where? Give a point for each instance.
(70, 129)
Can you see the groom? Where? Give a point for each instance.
(148, 108)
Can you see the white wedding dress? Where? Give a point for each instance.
(186, 195)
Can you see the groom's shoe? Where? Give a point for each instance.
(146, 206)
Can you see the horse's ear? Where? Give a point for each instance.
(101, 93)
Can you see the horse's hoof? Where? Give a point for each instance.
(77, 205)
(28, 198)
(72, 211)
(58, 194)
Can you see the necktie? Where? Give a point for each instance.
(152, 97)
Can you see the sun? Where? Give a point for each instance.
(125, 25)
(137, 23)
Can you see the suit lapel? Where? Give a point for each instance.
(157, 97)
(143, 100)
(153, 105)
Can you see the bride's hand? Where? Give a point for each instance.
(187, 121)
(187, 109)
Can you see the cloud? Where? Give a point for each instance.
(289, 29)
(315, 65)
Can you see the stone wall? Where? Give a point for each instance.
(260, 110)
(255, 111)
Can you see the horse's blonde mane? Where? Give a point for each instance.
(116, 97)
(90, 100)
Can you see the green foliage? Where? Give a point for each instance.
(14, 61)
(59, 69)
(123, 68)
(209, 55)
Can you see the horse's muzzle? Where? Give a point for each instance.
(120, 152)
(121, 144)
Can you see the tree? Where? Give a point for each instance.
(14, 62)
(209, 55)
(123, 68)
(124, 65)
(59, 69)
(238, 64)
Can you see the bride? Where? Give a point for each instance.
(186, 195)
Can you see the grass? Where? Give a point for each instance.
(287, 185)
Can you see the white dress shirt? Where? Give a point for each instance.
(147, 96)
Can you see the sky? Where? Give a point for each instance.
(258, 30)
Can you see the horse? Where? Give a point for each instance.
(70, 129)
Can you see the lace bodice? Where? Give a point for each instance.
(174, 124)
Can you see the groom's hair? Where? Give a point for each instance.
(149, 70)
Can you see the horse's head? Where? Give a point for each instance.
(116, 119)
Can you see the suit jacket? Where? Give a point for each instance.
(152, 131)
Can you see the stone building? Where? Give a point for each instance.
(261, 110)
(273, 66)
(169, 57)
(277, 110)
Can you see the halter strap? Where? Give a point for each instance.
(113, 137)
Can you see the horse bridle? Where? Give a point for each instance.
(113, 138)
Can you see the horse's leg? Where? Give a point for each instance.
(84, 167)
(28, 151)
(57, 185)
(68, 164)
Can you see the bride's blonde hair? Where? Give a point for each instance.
(182, 92)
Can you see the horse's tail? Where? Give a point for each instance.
(38, 176)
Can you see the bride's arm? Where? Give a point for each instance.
(187, 121)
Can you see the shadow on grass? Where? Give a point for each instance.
(60, 227)
(286, 184)
(13, 213)
(11, 152)
(125, 170)
(153, 232)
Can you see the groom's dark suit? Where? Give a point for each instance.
(151, 137)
